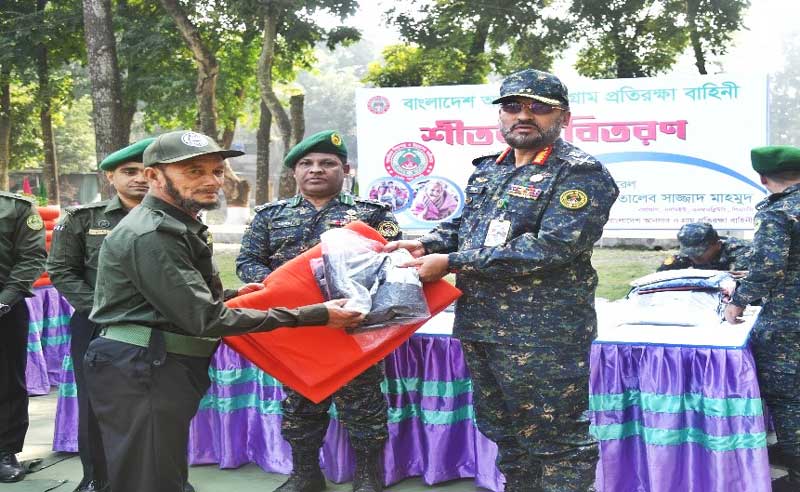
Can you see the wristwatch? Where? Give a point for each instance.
(4, 308)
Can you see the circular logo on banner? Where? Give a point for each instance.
(378, 104)
(194, 139)
(409, 160)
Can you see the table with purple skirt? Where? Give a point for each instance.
(677, 408)
(669, 417)
(48, 339)
(431, 419)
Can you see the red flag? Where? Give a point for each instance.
(318, 361)
(26, 186)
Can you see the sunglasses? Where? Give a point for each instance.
(535, 107)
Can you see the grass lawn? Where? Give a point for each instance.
(615, 266)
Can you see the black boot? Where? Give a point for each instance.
(10, 469)
(785, 484)
(92, 486)
(369, 471)
(187, 487)
(306, 475)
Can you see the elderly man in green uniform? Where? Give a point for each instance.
(280, 231)
(159, 302)
(522, 251)
(774, 276)
(22, 259)
(702, 247)
(72, 265)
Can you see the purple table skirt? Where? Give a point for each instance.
(431, 428)
(48, 339)
(677, 419)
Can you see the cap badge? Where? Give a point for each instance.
(194, 139)
(336, 140)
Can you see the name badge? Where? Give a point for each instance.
(497, 233)
(98, 232)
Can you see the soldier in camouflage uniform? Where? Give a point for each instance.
(701, 247)
(775, 276)
(522, 253)
(22, 258)
(282, 230)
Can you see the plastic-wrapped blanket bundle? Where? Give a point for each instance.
(353, 267)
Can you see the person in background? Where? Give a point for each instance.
(22, 260)
(774, 276)
(280, 231)
(701, 247)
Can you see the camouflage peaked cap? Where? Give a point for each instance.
(775, 158)
(541, 86)
(181, 145)
(131, 153)
(695, 238)
(327, 141)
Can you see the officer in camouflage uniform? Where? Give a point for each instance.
(701, 247)
(159, 301)
(775, 276)
(22, 259)
(282, 230)
(72, 266)
(522, 253)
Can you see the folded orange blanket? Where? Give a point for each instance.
(317, 361)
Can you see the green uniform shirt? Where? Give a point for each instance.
(72, 263)
(156, 268)
(22, 253)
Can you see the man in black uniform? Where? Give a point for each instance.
(22, 259)
(282, 230)
(159, 302)
(72, 266)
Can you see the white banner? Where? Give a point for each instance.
(678, 148)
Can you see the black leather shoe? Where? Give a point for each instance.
(187, 487)
(10, 469)
(92, 486)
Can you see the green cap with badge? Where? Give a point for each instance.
(775, 158)
(131, 153)
(328, 141)
(535, 84)
(181, 145)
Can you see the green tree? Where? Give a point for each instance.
(74, 136)
(784, 95)
(462, 41)
(290, 34)
(711, 24)
(628, 38)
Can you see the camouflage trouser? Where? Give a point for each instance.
(777, 356)
(360, 406)
(531, 401)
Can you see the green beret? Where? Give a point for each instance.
(131, 153)
(775, 158)
(328, 142)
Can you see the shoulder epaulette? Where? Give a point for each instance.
(86, 206)
(265, 206)
(480, 159)
(372, 202)
(18, 197)
(166, 223)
